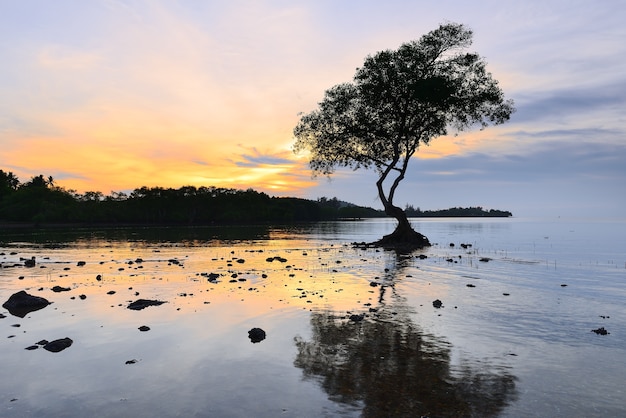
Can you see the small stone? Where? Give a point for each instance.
(140, 304)
(144, 328)
(437, 303)
(58, 345)
(600, 331)
(256, 335)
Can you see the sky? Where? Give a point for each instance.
(113, 95)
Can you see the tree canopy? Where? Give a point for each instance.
(398, 100)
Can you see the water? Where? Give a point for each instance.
(516, 342)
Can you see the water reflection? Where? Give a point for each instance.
(58, 236)
(389, 366)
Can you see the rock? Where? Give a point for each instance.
(111, 292)
(21, 303)
(99, 277)
(133, 361)
(32, 347)
(29, 262)
(58, 289)
(256, 335)
(437, 303)
(81, 263)
(140, 304)
(600, 331)
(470, 285)
(144, 328)
(357, 318)
(485, 259)
(58, 345)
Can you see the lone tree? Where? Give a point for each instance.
(397, 100)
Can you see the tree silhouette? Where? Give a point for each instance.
(398, 100)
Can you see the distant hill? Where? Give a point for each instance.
(471, 212)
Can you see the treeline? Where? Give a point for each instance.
(41, 201)
(471, 212)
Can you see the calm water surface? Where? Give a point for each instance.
(513, 337)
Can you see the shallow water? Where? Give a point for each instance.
(517, 342)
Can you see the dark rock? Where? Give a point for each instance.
(58, 345)
(133, 361)
(32, 347)
(140, 304)
(144, 328)
(213, 277)
(29, 262)
(470, 285)
(82, 297)
(99, 277)
(600, 331)
(58, 289)
(111, 292)
(357, 318)
(437, 303)
(485, 259)
(42, 342)
(21, 303)
(256, 335)
(81, 263)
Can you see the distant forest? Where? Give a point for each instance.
(41, 201)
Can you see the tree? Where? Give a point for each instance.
(398, 100)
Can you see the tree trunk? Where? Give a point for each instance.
(404, 236)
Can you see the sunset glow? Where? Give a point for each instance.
(115, 95)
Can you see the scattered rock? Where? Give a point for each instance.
(144, 328)
(140, 304)
(29, 262)
(32, 347)
(470, 285)
(133, 361)
(111, 292)
(82, 297)
(58, 289)
(437, 303)
(58, 345)
(256, 335)
(81, 263)
(485, 259)
(21, 303)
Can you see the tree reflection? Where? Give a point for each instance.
(387, 365)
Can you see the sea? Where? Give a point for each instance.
(500, 317)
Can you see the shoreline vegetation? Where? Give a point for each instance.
(40, 202)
